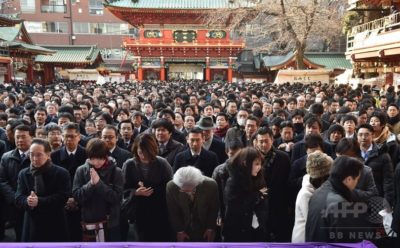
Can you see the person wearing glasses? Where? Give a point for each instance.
(110, 136)
(70, 156)
(43, 188)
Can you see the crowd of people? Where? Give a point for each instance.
(197, 161)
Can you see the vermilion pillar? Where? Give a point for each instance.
(230, 74)
(162, 69)
(139, 70)
(140, 73)
(162, 74)
(230, 70)
(208, 74)
(208, 71)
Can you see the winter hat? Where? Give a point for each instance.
(318, 164)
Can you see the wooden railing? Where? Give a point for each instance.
(384, 24)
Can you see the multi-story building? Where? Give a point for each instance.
(73, 22)
(373, 46)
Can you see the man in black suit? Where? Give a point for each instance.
(196, 155)
(128, 135)
(313, 125)
(168, 148)
(109, 135)
(70, 156)
(211, 142)
(276, 173)
(138, 120)
(11, 164)
(170, 116)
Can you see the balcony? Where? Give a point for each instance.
(54, 8)
(375, 33)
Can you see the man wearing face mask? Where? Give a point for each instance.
(298, 124)
(238, 131)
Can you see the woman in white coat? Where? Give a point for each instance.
(318, 167)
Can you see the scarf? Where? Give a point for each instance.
(221, 132)
(341, 189)
(383, 136)
(37, 173)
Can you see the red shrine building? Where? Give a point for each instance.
(173, 41)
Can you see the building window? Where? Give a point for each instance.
(96, 7)
(53, 6)
(27, 6)
(47, 27)
(81, 28)
(97, 28)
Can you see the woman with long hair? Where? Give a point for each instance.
(146, 176)
(245, 198)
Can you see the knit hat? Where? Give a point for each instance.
(318, 164)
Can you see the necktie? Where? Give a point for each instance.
(71, 156)
(23, 156)
(365, 156)
(195, 157)
(162, 148)
(127, 144)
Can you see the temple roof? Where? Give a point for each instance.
(320, 60)
(29, 48)
(174, 4)
(71, 55)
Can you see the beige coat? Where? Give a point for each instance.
(201, 216)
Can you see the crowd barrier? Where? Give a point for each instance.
(364, 244)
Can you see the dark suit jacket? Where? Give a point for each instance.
(3, 148)
(178, 136)
(142, 129)
(61, 158)
(206, 162)
(120, 155)
(171, 150)
(218, 147)
(122, 144)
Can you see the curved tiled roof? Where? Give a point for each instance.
(70, 54)
(175, 4)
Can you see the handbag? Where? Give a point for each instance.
(128, 208)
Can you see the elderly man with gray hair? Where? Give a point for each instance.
(193, 204)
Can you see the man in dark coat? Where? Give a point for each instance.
(168, 148)
(276, 173)
(313, 125)
(109, 135)
(11, 164)
(196, 155)
(42, 192)
(333, 214)
(128, 134)
(70, 157)
(379, 162)
(170, 116)
(212, 143)
(138, 122)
